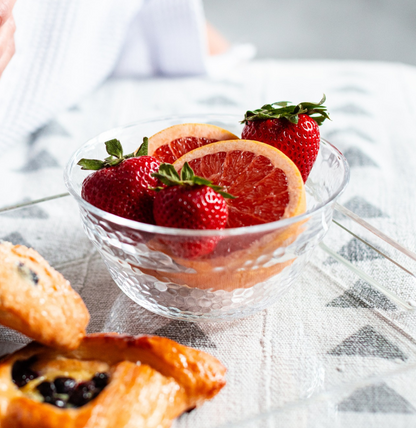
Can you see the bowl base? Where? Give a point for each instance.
(185, 303)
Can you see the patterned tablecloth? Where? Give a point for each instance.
(333, 352)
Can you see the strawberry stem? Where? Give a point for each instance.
(115, 150)
(143, 150)
(168, 175)
(283, 109)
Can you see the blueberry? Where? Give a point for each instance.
(101, 380)
(27, 272)
(83, 393)
(24, 377)
(50, 394)
(35, 278)
(64, 385)
(48, 399)
(57, 391)
(22, 373)
(47, 389)
(58, 402)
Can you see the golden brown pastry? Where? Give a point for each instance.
(37, 300)
(111, 380)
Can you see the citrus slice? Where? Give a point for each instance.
(171, 143)
(266, 184)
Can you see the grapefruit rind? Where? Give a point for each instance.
(297, 201)
(197, 130)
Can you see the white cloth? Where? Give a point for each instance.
(165, 38)
(66, 48)
(332, 352)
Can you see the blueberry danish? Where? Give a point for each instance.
(110, 380)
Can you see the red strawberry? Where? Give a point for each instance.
(189, 202)
(292, 129)
(121, 185)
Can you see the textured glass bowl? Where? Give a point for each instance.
(249, 268)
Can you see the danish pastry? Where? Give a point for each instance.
(37, 300)
(111, 380)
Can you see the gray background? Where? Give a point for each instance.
(337, 29)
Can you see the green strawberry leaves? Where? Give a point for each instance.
(115, 150)
(91, 164)
(143, 149)
(168, 175)
(283, 109)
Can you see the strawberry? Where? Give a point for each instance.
(121, 184)
(189, 202)
(294, 130)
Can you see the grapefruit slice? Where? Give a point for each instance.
(171, 143)
(268, 187)
(266, 184)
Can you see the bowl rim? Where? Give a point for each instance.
(149, 228)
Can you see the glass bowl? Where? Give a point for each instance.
(249, 268)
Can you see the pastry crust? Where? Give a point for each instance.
(37, 300)
(152, 381)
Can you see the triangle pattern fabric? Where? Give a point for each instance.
(362, 295)
(186, 333)
(351, 88)
(356, 251)
(356, 157)
(34, 136)
(34, 212)
(352, 109)
(41, 160)
(362, 208)
(52, 128)
(218, 100)
(368, 343)
(55, 128)
(378, 398)
(16, 239)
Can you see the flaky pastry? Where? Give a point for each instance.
(111, 380)
(38, 301)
